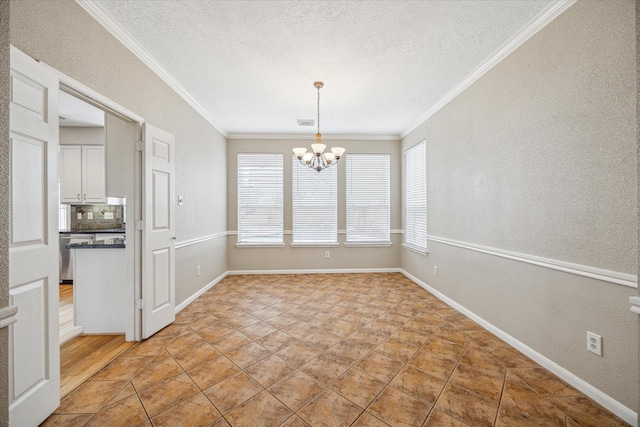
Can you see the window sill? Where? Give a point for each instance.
(260, 245)
(416, 250)
(316, 245)
(368, 245)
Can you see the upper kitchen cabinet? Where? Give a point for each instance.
(82, 174)
(82, 155)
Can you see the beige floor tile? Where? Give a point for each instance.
(399, 409)
(322, 339)
(197, 355)
(368, 420)
(161, 396)
(545, 383)
(482, 382)
(467, 407)
(194, 411)
(358, 387)
(380, 366)
(127, 412)
(325, 368)
(230, 342)
(269, 370)
(440, 419)
(418, 384)
(276, 341)
(124, 368)
(299, 353)
(261, 410)
(67, 420)
(156, 373)
(90, 397)
(211, 372)
(330, 409)
(233, 391)
(522, 399)
(296, 390)
(248, 354)
(586, 412)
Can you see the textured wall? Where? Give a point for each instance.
(289, 258)
(4, 205)
(63, 35)
(84, 50)
(539, 157)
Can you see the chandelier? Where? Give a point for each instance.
(317, 159)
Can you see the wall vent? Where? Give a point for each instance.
(306, 122)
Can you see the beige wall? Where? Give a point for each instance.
(4, 206)
(304, 258)
(539, 157)
(72, 135)
(84, 50)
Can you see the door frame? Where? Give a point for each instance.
(133, 321)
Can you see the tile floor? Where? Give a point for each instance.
(325, 350)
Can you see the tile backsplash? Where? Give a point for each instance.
(98, 222)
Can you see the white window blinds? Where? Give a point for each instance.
(315, 204)
(415, 197)
(368, 181)
(260, 202)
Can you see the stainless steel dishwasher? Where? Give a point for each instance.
(66, 257)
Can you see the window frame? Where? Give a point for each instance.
(278, 230)
(415, 239)
(320, 199)
(371, 210)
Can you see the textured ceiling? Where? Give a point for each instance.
(251, 64)
(78, 113)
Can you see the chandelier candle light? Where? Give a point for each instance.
(318, 159)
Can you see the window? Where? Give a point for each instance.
(415, 197)
(315, 205)
(368, 180)
(260, 203)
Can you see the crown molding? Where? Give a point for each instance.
(310, 137)
(550, 13)
(105, 19)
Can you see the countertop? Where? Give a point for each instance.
(109, 231)
(99, 244)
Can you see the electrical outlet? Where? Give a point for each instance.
(327, 254)
(79, 215)
(89, 215)
(435, 270)
(594, 343)
(198, 270)
(108, 215)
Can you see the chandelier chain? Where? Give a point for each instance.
(318, 87)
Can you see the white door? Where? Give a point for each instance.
(34, 348)
(158, 246)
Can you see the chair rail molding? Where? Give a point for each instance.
(8, 316)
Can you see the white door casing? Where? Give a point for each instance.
(34, 349)
(158, 243)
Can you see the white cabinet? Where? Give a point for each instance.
(82, 174)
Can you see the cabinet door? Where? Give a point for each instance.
(70, 174)
(93, 174)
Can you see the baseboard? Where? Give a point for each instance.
(316, 271)
(193, 297)
(603, 399)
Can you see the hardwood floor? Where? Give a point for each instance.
(81, 357)
(67, 329)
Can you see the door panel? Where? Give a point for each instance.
(34, 348)
(158, 269)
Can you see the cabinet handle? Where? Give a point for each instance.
(85, 196)
(78, 196)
